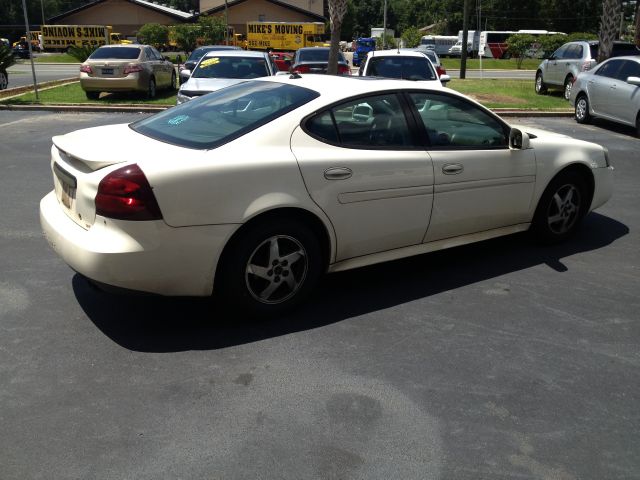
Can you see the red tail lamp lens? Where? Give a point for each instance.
(125, 194)
(132, 69)
(86, 69)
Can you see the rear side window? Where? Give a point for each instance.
(222, 116)
(366, 123)
(574, 52)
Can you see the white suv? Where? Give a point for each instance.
(563, 66)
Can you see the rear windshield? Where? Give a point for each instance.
(231, 67)
(407, 68)
(118, 53)
(222, 116)
(317, 55)
(619, 50)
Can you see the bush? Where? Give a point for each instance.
(81, 53)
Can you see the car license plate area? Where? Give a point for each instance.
(66, 188)
(107, 71)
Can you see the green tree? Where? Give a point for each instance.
(154, 34)
(212, 29)
(519, 46)
(186, 36)
(411, 37)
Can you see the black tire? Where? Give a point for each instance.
(540, 86)
(92, 95)
(174, 84)
(151, 88)
(270, 268)
(562, 207)
(4, 80)
(582, 114)
(568, 84)
(638, 125)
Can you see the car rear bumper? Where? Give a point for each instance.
(132, 82)
(145, 256)
(603, 178)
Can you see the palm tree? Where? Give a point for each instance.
(609, 27)
(337, 9)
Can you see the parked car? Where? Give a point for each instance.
(316, 60)
(185, 69)
(283, 60)
(126, 68)
(401, 64)
(610, 91)
(435, 59)
(563, 66)
(6, 60)
(254, 191)
(219, 69)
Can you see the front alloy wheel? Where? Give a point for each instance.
(561, 208)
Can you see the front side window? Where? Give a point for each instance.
(629, 68)
(222, 116)
(452, 122)
(367, 122)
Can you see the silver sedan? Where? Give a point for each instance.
(610, 91)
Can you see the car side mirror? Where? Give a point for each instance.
(518, 140)
(634, 81)
(444, 79)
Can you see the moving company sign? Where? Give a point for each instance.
(63, 36)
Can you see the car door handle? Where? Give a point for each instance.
(452, 169)
(338, 173)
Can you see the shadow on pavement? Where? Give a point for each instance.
(150, 323)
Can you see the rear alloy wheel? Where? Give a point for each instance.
(568, 84)
(4, 81)
(562, 206)
(174, 83)
(151, 89)
(271, 268)
(582, 109)
(93, 95)
(541, 88)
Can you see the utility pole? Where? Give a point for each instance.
(465, 37)
(33, 68)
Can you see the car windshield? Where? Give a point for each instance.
(408, 68)
(231, 67)
(117, 53)
(220, 117)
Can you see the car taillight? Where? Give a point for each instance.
(344, 70)
(441, 71)
(125, 194)
(301, 69)
(86, 69)
(132, 69)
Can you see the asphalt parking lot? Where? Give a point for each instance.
(498, 360)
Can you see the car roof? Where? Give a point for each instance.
(336, 87)
(218, 47)
(395, 53)
(234, 53)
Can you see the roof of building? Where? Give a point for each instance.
(171, 12)
(232, 3)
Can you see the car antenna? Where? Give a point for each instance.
(295, 75)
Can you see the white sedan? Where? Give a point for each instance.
(254, 191)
